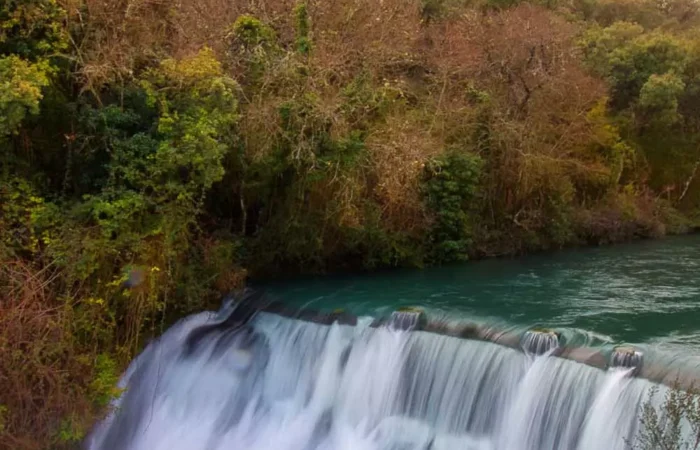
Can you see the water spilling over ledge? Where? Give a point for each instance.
(539, 342)
(628, 358)
(251, 379)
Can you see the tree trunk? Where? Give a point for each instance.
(689, 181)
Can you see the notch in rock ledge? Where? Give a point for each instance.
(627, 357)
(407, 319)
(539, 341)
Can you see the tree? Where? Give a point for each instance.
(20, 91)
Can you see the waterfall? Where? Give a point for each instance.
(285, 384)
(539, 342)
(405, 320)
(625, 357)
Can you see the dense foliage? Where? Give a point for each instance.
(154, 154)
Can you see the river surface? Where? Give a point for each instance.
(231, 380)
(644, 292)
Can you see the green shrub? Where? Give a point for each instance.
(449, 186)
(103, 388)
(20, 91)
(251, 32)
(303, 28)
(32, 29)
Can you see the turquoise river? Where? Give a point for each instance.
(644, 292)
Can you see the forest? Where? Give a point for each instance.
(156, 154)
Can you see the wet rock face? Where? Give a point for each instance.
(583, 355)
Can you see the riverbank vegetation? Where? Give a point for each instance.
(154, 154)
(672, 425)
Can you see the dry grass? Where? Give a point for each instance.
(398, 152)
(370, 34)
(43, 376)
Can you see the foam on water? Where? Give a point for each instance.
(286, 384)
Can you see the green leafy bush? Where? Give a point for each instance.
(450, 184)
(303, 28)
(20, 91)
(32, 29)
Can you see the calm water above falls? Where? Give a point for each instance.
(643, 292)
(282, 383)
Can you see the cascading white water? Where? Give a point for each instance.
(539, 342)
(626, 357)
(286, 384)
(405, 320)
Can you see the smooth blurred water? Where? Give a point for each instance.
(287, 384)
(283, 383)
